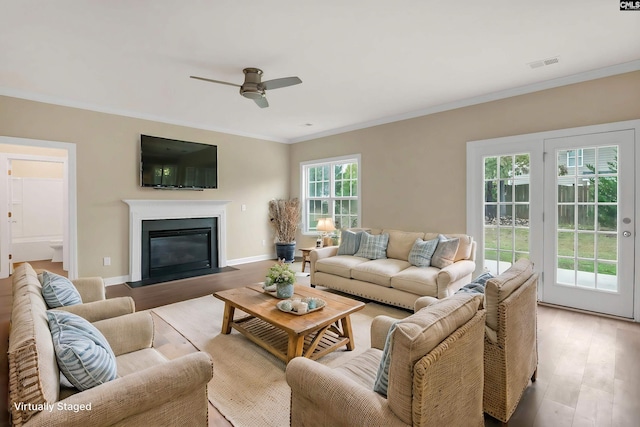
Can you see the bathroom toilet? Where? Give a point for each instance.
(56, 245)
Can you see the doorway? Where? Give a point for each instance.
(28, 150)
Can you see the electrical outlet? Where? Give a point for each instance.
(106, 261)
(264, 242)
(243, 208)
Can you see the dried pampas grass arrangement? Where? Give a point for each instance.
(284, 215)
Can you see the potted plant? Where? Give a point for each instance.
(284, 215)
(282, 277)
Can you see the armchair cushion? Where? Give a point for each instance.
(349, 242)
(422, 251)
(501, 286)
(373, 246)
(58, 291)
(83, 353)
(445, 253)
(417, 335)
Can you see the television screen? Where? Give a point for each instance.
(169, 163)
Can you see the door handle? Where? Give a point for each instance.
(626, 233)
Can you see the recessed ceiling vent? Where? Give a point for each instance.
(544, 62)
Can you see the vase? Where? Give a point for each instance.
(284, 290)
(286, 251)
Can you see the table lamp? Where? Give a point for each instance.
(326, 225)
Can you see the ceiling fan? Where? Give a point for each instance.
(253, 86)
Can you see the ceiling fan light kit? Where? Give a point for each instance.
(253, 86)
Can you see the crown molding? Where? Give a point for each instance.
(613, 70)
(47, 99)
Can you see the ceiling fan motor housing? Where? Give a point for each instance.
(252, 87)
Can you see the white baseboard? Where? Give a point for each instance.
(247, 260)
(110, 281)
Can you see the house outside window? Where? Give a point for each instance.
(575, 158)
(331, 189)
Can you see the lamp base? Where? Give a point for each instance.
(327, 241)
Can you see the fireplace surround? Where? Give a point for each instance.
(200, 211)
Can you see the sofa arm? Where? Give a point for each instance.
(100, 310)
(326, 252)
(423, 302)
(90, 288)
(331, 399)
(127, 333)
(115, 401)
(380, 329)
(448, 276)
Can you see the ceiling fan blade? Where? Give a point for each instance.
(262, 102)
(215, 81)
(283, 82)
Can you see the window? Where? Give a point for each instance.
(574, 158)
(331, 189)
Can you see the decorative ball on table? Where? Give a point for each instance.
(283, 277)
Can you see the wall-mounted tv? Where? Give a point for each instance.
(172, 164)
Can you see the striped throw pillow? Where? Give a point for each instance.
(373, 247)
(422, 251)
(349, 242)
(83, 353)
(58, 291)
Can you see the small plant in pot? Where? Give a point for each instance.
(281, 277)
(284, 216)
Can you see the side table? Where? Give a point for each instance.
(306, 257)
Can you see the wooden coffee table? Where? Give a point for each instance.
(288, 335)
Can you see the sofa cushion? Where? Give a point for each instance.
(417, 280)
(378, 271)
(422, 251)
(349, 242)
(417, 335)
(339, 265)
(400, 243)
(58, 291)
(503, 285)
(83, 353)
(373, 246)
(445, 253)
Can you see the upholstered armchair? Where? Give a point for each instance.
(510, 345)
(94, 305)
(435, 373)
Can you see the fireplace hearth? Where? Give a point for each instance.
(171, 239)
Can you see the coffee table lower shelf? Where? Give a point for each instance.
(279, 343)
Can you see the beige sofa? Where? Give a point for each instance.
(149, 390)
(394, 280)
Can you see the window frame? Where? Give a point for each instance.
(578, 158)
(304, 197)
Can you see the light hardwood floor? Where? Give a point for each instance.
(589, 366)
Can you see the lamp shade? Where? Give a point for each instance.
(325, 224)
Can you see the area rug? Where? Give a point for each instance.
(248, 386)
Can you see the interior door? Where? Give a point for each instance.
(589, 229)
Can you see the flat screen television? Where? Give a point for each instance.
(172, 164)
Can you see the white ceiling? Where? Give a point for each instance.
(361, 62)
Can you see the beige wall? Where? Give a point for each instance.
(251, 172)
(413, 171)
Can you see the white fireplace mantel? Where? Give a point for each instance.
(140, 210)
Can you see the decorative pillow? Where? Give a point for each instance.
(58, 291)
(422, 251)
(445, 252)
(477, 285)
(349, 242)
(84, 355)
(382, 377)
(373, 247)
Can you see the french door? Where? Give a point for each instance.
(589, 225)
(565, 199)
